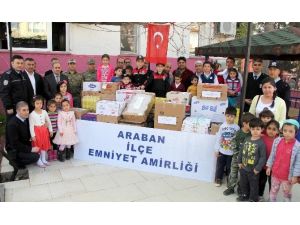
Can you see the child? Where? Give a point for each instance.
(105, 71)
(39, 124)
(160, 82)
(272, 132)
(58, 98)
(237, 144)
(129, 70)
(223, 145)
(66, 135)
(234, 86)
(284, 161)
(118, 75)
(53, 114)
(251, 160)
(193, 88)
(208, 76)
(126, 83)
(62, 88)
(266, 116)
(177, 85)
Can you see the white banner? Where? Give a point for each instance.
(175, 153)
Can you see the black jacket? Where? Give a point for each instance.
(159, 85)
(13, 88)
(284, 91)
(39, 86)
(18, 135)
(50, 85)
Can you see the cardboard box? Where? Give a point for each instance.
(90, 93)
(198, 125)
(139, 117)
(212, 91)
(212, 109)
(108, 119)
(179, 97)
(169, 116)
(214, 128)
(109, 87)
(91, 86)
(110, 108)
(108, 96)
(124, 95)
(79, 112)
(122, 122)
(89, 101)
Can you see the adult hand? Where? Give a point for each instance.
(248, 101)
(240, 165)
(10, 111)
(255, 171)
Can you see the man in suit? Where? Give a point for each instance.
(35, 81)
(254, 83)
(51, 81)
(19, 146)
(53, 60)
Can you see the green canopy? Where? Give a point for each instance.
(281, 44)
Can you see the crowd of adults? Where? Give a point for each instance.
(21, 83)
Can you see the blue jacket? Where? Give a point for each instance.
(295, 158)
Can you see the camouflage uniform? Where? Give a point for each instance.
(75, 84)
(89, 76)
(237, 145)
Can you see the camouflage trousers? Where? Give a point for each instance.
(234, 171)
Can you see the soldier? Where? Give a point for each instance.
(75, 82)
(91, 74)
(13, 86)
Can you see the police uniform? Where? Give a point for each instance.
(13, 88)
(90, 76)
(75, 84)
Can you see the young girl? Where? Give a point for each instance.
(66, 135)
(234, 87)
(193, 88)
(58, 98)
(53, 114)
(118, 75)
(272, 132)
(39, 124)
(284, 161)
(105, 71)
(62, 88)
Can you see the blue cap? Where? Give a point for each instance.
(293, 122)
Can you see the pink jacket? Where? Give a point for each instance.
(111, 73)
(66, 120)
(69, 97)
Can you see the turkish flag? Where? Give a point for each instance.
(157, 43)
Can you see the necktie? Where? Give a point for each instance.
(255, 77)
(57, 78)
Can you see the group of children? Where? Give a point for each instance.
(53, 131)
(257, 153)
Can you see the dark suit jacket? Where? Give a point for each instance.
(39, 85)
(18, 135)
(50, 85)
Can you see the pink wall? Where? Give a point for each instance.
(43, 60)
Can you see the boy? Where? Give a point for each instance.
(118, 75)
(251, 160)
(160, 83)
(177, 85)
(208, 76)
(237, 144)
(128, 70)
(53, 114)
(193, 88)
(223, 144)
(126, 83)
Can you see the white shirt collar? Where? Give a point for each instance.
(20, 118)
(30, 74)
(277, 79)
(256, 74)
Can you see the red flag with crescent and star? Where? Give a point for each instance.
(157, 43)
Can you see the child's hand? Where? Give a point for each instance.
(33, 139)
(51, 134)
(255, 171)
(61, 134)
(217, 154)
(35, 149)
(294, 180)
(268, 171)
(240, 165)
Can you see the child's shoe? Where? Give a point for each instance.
(218, 183)
(242, 198)
(228, 191)
(68, 153)
(54, 155)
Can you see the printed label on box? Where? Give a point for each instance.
(211, 94)
(167, 120)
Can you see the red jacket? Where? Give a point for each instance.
(110, 74)
(181, 87)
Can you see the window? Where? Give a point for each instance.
(128, 38)
(3, 36)
(29, 35)
(59, 36)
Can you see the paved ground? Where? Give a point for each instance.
(85, 181)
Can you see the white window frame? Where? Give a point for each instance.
(49, 41)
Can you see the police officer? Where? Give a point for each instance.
(91, 74)
(75, 82)
(282, 88)
(14, 86)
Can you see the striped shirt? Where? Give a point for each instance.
(53, 118)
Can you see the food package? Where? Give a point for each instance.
(124, 95)
(198, 125)
(89, 102)
(109, 87)
(89, 117)
(179, 97)
(110, 108)
(91, 86)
